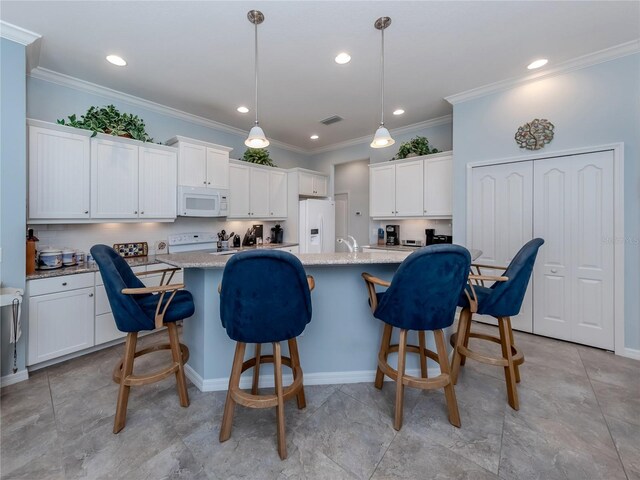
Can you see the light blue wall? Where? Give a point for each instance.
(589, 107)
(13, 185)
(49, 101)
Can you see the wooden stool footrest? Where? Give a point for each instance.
(417, 382)
(134, 380)
(518, 356)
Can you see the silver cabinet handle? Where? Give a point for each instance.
(64, 284)
(554, 270)
(208, 183)
(91, 294)
(271, 213)
(86, 211)
(136, 212)
(205, 182)
(141, 213)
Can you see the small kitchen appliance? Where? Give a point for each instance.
(277, 234)
(393, 234)
(412, 243)
(258, 232)
(429, 233)
(442, 239)
(202, 202)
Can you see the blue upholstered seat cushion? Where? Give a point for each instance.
(481, 294)
(134, 313)
(504, 299)
(180, 307)
(264, 297)
(425, 290)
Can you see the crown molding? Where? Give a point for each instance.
(434, 122)
(68, 81)
(622, 50)
(18, 34)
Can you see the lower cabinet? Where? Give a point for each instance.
(62, 321)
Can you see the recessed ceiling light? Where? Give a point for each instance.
(398, 111)
(243, 109)
(314, 137)
(537, 63)
(343, 58)
(116, 60)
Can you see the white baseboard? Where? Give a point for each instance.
(12, 378)
(631, 353)
(320, 378)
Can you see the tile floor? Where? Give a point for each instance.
(579, 419)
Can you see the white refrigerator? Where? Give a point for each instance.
(317, 226)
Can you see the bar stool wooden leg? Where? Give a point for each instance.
(256, 370)
(449, 392)
(123, 393)
(423, 357)
(515, 367)
(463, 331)
(176, 354)
(384, 350)
(234, 381)
(509, 369)
(295, 361)
(467, 336)
(402, 352)
(277, 373)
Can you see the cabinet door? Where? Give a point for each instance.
(114, 179)
(58, 174)
(409, 187)
(158, 183)
(382, 191)
(277, 194)
(502, 222)
(239, 191)
(192, 165)
(305, 183)
(438, 187)
(217, 168)
(259, 193)
(59, 324)
(320, 185)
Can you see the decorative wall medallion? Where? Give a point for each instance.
(535, 134)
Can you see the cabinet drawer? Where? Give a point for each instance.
(106, 329)
(60, 284)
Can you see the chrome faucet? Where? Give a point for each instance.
(353, 247)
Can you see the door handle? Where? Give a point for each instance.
(554, 270)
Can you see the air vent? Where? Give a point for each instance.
(331, 119)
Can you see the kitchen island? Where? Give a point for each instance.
(341, 343)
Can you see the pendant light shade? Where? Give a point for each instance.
(382, 138)
(256, 138)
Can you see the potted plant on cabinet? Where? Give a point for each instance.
(259, 156)
(415, 147)
(110, 121)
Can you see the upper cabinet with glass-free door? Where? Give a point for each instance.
(201, 164)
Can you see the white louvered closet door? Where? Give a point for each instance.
(573, 277)
(502, 219)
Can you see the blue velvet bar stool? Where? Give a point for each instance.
(501, 300)
(422, 295)
(265, 297)
(138, 308)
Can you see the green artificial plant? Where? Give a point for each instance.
(110, 121)
(415, 147)
(259, 156)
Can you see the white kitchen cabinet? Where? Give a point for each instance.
(438, 187)
(201, 164)
(409, 189)
(312, 184)
(277, 194)
(382, 190)
(61, 318)
(257, 192)
(158, 181)
(59, 181)
(114, 179)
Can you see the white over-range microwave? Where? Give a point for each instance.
(202, 202)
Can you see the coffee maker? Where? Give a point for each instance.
(393, 235)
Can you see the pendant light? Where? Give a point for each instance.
(257, 138)
(382, 138)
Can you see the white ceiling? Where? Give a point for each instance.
(198, 56)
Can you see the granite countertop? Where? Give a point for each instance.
(475, 254)
(206, 260)
(88, 268)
